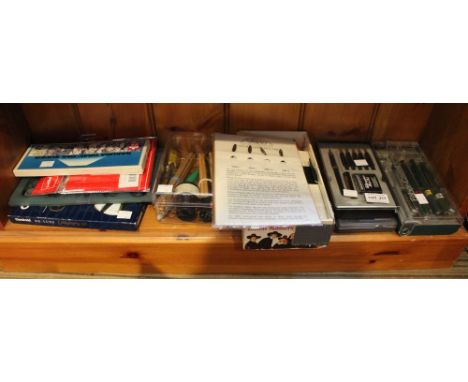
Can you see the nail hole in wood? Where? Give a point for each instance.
(132, 255)
(386, 253)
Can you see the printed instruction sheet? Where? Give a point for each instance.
(260, 182)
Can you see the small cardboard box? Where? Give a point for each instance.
(300, 236)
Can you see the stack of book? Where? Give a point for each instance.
(101, 184)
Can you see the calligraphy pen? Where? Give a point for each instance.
(336, 170)
(182, 171)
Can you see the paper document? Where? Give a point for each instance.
(260, 182)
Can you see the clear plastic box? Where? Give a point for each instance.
(426, 207)
(183, 189)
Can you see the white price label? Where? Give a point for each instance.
(421, 199)
(360, 162)
(376, 198)
(164, 188)
(129, 180)
(47, 163)
(350, 193)
(124, 214)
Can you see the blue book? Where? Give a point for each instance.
(117, 216)
(119, 156)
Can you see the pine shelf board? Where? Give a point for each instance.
(162, 248)
(152, 231)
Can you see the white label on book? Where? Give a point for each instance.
(360, 162)
(164, 188)
(376, 198)
(421, 198)
(124, 214)
(350, 193)
(47, 163)
(129, 180)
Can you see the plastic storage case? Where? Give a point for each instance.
(426, 207)
(362, 199)
(184, 179)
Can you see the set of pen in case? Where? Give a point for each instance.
(184, 179)
(362, 197)
(425, 206)
(381, 187)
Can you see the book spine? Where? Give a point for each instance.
(98, 225)
(120, 226)
(34, 221)
(74, 224)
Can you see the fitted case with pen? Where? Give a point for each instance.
(361, 196)
(426, 208)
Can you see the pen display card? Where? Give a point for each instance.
(260, 182)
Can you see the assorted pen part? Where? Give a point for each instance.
(353, 159)
(336, 171)
(184, 179)
(359, 192)
(383, 187)
(348, 181)
(310, 173)
(367, 183)
(425, 207)
(351, 167)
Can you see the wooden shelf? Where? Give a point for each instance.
(194, 249)
(160, 248)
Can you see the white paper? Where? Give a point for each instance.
(360, 162)
(124, 214)
(129, 180)
(260, 183)
(350, 193)
(421, 198)
(47, 163)
(376, 198)
(164, 188)
(112, 210)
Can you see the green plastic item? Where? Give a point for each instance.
(193, 177)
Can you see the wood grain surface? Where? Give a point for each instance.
(160, 248)
(264, 116)
(132, 120)
(14, 138)
(322, 121)
(445, 142)
(203, 117)
(112, 120)
(401, 121)
(339, 121)
(97, 120)
(52, 122)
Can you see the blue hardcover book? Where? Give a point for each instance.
(119, 156)
(118, 216)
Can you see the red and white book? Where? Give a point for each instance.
(82, 184)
